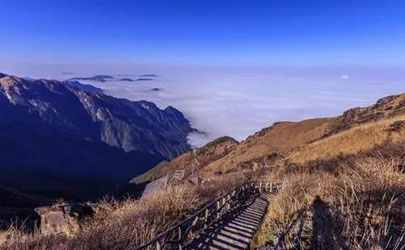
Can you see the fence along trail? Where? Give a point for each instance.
(229, 222)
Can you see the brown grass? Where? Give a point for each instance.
(361, 138)
(122, 224)
(281, 137)
(360, 205)
(191, 161)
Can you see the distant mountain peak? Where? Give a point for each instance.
(84, 87)
(140, 79)
(97, 78)
(126, 80)
(8, 81)
(148, 75)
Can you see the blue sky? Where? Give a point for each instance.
(248, 32)
(218, 60)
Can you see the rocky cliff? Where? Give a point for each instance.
(132, 126)
(58, 140)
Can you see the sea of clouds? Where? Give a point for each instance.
(240, 102)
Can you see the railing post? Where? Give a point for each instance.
(195, 221)
(271, 187)
(179, 245)
(218, 206)
(157, 245)
(206, 218)
(228, 206)
(260, 187)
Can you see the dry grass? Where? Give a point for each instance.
(122, 224)
(118, 225)
(361, 138)
(191, 161)
(281, 137)
(360, 205)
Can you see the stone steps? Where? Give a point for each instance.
(237, 230)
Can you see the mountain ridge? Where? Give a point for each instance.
(60, 141)
(283, 142)
(86, 112)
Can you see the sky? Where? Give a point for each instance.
(203, 31)
(217, 60)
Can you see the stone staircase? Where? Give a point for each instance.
(236, 231)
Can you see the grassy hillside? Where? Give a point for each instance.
(360, 138)
(281, 138)
(356, 130)
(353, 201)
(193, 161)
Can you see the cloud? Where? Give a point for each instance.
(344, 76)
(239, 104)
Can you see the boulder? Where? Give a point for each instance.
(63, 218)
(153, 186)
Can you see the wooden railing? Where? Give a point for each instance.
(177, 236)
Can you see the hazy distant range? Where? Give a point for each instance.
(239, 102)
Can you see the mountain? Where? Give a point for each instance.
(144, 79)
(193, 161)
(356, 130)
(126, 80)
(148, 75)
(85, 87)
(58, 140)
(133, 126)
(97, 78)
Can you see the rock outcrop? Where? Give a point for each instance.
(155, 185)
(385, 107)
(63, 218)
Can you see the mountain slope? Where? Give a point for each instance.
(58, 141)
(139, 126)
(355, 130)
(192, 161)
(280, 138)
